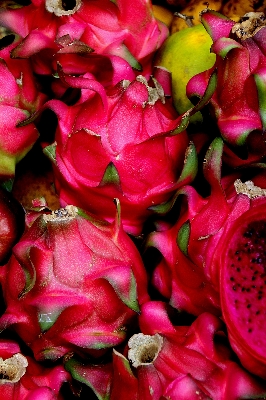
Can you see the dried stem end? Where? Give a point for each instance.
(13, 368)
(144, 349)
(61, 7)
(62, 214)
(249, 25)
(249, 189)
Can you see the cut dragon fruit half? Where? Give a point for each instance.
(242, 286)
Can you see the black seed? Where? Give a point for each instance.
(249, 305)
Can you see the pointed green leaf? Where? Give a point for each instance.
(30, 118)
(260, 80)
(50, 152)
(182, 239)
(124, 284)
(30, 275)
(190, 168)
(110, 176)
(183, 124)
(213, 161)
(97, 377)
(223, 45)
(47, 319)
(208, 93)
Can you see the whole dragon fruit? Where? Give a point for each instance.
(164, 361)
(22, 378)
(73, 283)
(20, 99)
(125, 29)
(123, 143)
(238, 103)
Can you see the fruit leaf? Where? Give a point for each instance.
(183, 237)
(110, 176)
(260, 80)
(50, 152)
(97, 377)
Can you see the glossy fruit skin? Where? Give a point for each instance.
(185, 54)
(69, 266)
(122, 142)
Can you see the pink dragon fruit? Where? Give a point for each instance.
(123, 143)
(125, 29)
(240, 259)
(73, 283)
(22, 378)
(171, 362)
(19, 100)
(188, 273)
(238, 102)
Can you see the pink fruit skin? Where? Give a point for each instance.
(19, 99)
(194, 362)
(72, 284)
(38, 382)
(237, 102)
(125, 29)
(117, 144)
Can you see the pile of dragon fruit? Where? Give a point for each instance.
(149, 280)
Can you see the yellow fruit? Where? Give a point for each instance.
(163, 14)
(192, 10)
(185, 54)
(235, 9)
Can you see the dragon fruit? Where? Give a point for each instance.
(22, 378)
(126, 142)
(73, 283)
(242, 284)
(188, 272)
(164, 361)
(125, 29)
(238, 103)
(19, 100)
